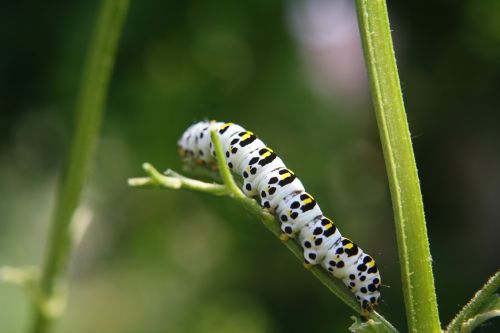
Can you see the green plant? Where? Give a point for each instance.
(413, 245)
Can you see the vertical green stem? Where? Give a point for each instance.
(89, 107)
(413, 244)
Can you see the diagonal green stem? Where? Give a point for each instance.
(476, 304)
(411, 231)
(89, 109)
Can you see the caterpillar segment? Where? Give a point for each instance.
(277, 184)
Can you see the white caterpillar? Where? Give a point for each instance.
(265, 177)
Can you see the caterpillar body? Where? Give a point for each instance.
(266, 178)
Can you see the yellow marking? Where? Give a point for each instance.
(285, 176)
(226, 125)
(308, 200)
(266, 154)
(349, 245)
(328, 226)
(284, 237)
(246, 135)
(371, 263)
(308, 266)
(289, 212)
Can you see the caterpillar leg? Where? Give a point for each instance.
(284, 237)
(308, 265)
(213, 166)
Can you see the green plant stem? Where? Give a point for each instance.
(175, 181)
(476, 304)
(89, 107)
(411, 231)
(224, 171)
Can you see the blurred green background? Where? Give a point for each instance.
(291, 71)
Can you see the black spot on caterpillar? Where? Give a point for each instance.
(266, 177)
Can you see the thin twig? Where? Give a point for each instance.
(173, 180)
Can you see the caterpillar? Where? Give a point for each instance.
(265, 177)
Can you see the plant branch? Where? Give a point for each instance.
(411, 231)
(476, 304)
(89, 108)
(175, 181)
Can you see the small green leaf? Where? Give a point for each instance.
(489, 311)
(369, 326)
